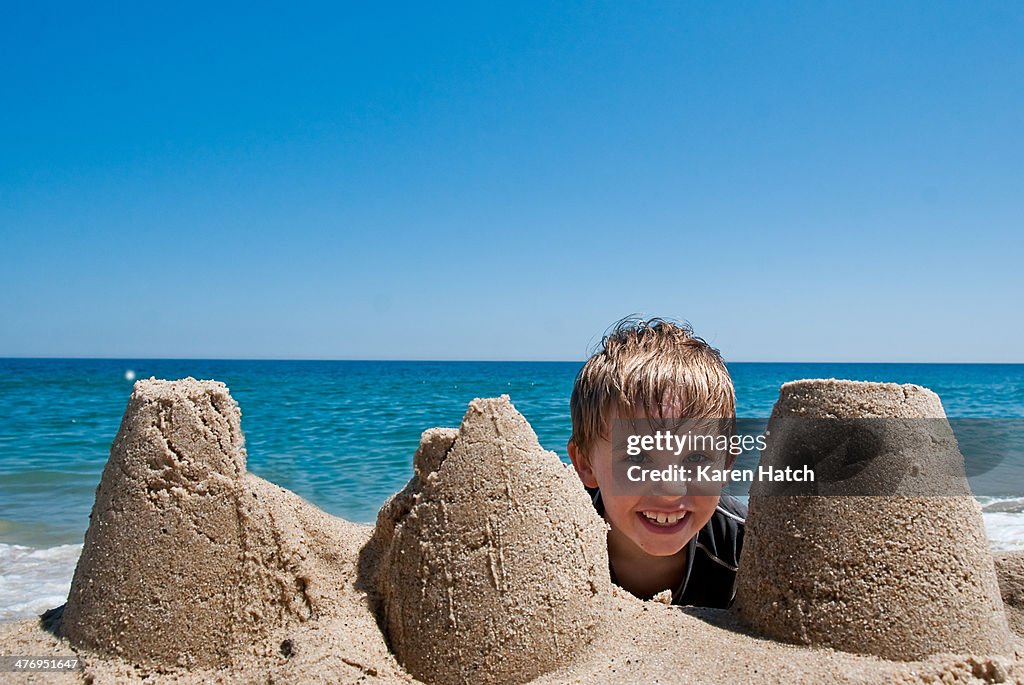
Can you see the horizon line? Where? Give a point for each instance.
(474, 361)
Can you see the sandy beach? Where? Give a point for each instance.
(491, 567)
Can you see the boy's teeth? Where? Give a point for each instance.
(662, 518)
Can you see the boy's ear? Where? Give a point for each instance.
(581, 462)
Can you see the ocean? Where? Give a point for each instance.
(342, 434)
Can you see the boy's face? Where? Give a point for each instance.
(658, 519)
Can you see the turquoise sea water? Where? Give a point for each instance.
(339, 433)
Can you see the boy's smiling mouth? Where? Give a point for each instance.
(662, 521)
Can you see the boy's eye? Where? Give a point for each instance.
(636, 458)
(696, 458)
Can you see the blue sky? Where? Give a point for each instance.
(801, 181)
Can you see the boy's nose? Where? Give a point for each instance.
(672, 488)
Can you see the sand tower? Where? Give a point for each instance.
(189, 560)
(886, 553)
(497, 569)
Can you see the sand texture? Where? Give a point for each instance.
(489, 566)
(901, 576)
(189, 561)
(1010, 572)
(498, 572)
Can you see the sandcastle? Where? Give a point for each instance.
(494, 570)
(489, 566)
(498, 566)
(173, 475)
(891, 557)
(189, 561)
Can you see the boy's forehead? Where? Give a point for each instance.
(673, 411)
(619, 411)
(640, 421)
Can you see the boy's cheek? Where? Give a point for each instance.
(704, 510)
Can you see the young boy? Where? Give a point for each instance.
(685, 538)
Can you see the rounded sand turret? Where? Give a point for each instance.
(889, 557)
(497, 570)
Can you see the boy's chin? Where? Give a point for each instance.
(663, 551)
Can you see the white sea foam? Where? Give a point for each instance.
(1004, 522)
(33, 580)
(1005, 530)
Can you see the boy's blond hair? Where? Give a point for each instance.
(652, 365)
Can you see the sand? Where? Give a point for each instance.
(191, 562)
(487, 567)
(1010, 572)
(498, 572)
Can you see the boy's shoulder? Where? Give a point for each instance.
(727, 522)
(721, 538)
(715, 558)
